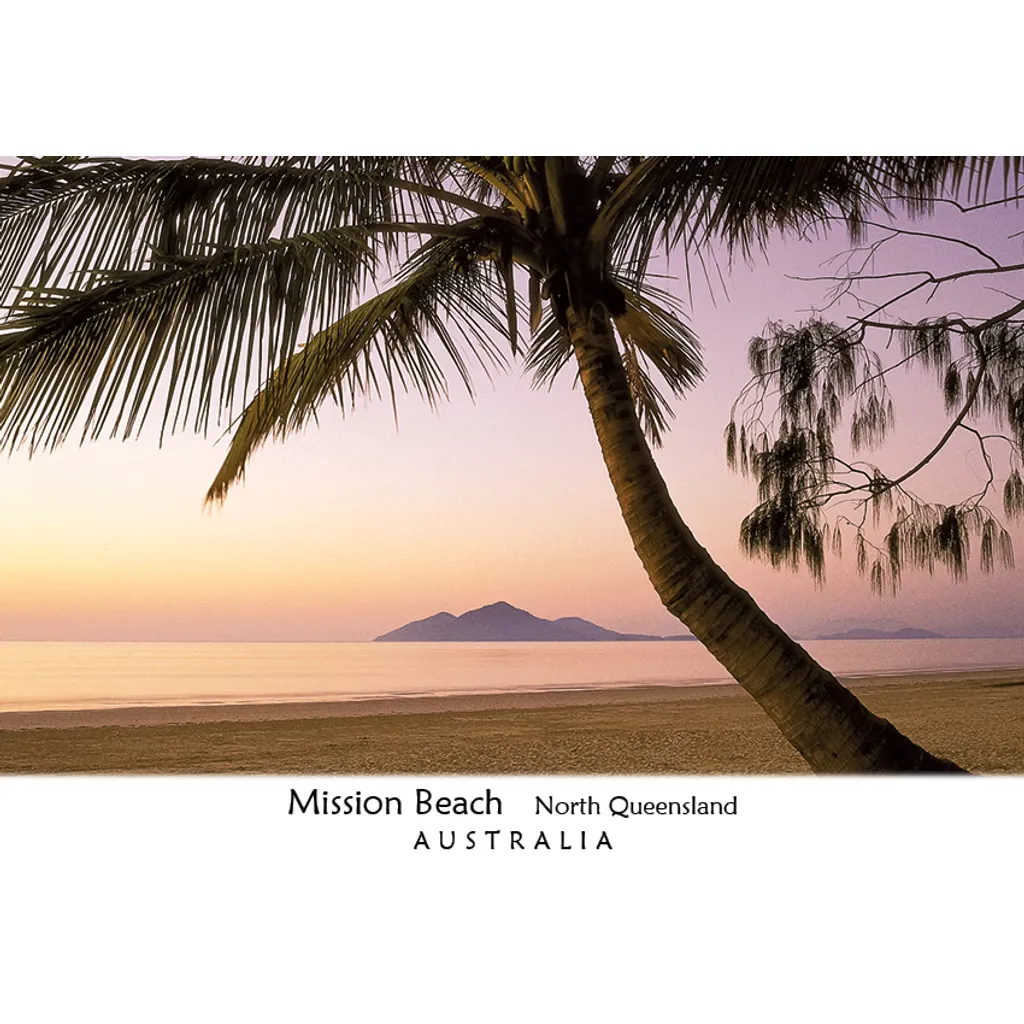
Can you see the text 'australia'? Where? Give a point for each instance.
(511, 839)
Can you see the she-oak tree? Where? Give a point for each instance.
(176, 289)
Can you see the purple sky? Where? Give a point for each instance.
(353, 528)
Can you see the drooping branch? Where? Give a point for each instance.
(808, 373)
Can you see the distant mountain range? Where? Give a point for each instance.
(501, 622)
(881, 634)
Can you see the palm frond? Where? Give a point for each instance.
(449, 291)
(549, 351)
(61, 217)
(666, 201)
(485, 179)
(654, 337)
(653, 324)
(652, 407)
(198, 327)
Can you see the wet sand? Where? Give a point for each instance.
(976, 719)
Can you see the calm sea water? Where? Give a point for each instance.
(40, 676)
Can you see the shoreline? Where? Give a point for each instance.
(500, 700)
(973, 718)
(351, 707)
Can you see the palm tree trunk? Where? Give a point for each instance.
(826, 723)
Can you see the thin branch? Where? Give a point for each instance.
(1005, 201)
(977, 498)
(895, 232)
(957, 421)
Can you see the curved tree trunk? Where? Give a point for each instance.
(824, 721)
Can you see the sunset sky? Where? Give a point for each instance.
(355, 527)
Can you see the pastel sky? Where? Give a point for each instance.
(354, 527)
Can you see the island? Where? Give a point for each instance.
(503, 623)
(910, 633)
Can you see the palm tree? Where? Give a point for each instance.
(171, 288)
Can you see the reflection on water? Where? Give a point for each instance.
(36, 676)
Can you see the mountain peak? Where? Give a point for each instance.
(502, 622)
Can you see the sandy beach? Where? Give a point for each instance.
(975, 719)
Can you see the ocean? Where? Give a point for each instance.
(38, 676)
